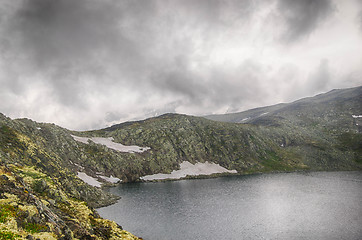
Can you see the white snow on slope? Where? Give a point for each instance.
(187, 168)
(80, 139)
(110, 179)
(88, 179)
(357, 116)
(108, 142)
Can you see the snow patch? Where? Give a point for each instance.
(357, 116)
(263, 114)
(39, 128)
(108, 142)
(111, 179)
(244, 119)
(80, 139)
(187, 168)
(88, 179)
(78, 165)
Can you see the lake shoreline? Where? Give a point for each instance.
(107, 186)
(284, 205)
(217, 175)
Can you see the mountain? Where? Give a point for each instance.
(42, 164)
(334, 108)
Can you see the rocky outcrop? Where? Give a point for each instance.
(29, 211)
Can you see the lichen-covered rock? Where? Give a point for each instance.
(28, 214)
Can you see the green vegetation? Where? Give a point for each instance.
(24, 212)
(351, 142)
(6, 235)
(6, 211)
(274, 163)
(34, 227)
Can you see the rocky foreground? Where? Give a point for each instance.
(33, 207)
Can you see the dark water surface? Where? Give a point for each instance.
(317, 205)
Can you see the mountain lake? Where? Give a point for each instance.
(302, 205)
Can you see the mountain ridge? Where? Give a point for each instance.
(239, 116)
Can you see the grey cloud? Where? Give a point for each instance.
(179, 79)
(359, 16)
(322, 76)
(213, 13)
(92, 55)
(114, 116)
(302, 17)
(319, 79)
(67, 41)
(243, 86)
(167, 108)
(54, 32)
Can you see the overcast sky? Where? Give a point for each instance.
(87, 64)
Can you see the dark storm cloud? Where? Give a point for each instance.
(58, 32)
(53, 33)
(302, 17)
(83, 46)
(68, 41)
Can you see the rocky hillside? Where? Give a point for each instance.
(319, 133)
(42, 160)
(334, 109)
(40, 196)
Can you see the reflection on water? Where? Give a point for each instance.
(322, 205)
